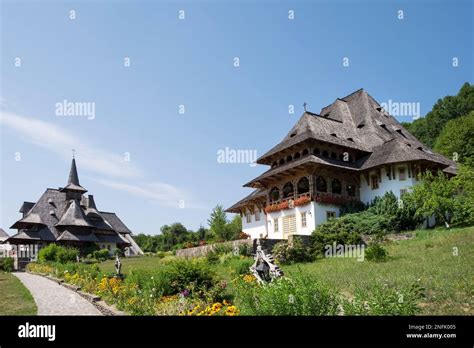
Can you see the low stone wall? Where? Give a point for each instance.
(204, 249)
(267, 244)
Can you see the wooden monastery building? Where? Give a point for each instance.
(353, 150)
(67, 216)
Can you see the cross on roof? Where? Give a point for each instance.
(305, 105)
(73, 153)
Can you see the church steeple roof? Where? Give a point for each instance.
(73, 216)
(73, 181)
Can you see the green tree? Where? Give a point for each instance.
(218, 223)
(435, 195)
(428, 128)
(457, 137)
(464, 181)
(235, 227)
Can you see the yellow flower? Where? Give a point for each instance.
(248, 278)
(231, 311)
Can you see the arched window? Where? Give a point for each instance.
(333, 155)
(305, 152)
(297, 155)
(350, 189)
(336, 186)
(274, 164)
(341, 157)
(303, 185)
(274, 194)
(282, 161)
(316, 151)
(289, 158)
(288, 190)
(325, 153)
(321, 185)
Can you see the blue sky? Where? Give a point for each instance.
(190, 62)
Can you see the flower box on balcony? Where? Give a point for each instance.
(302, 200)
(333, 199)
(286, 204)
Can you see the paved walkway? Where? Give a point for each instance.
(54, 299)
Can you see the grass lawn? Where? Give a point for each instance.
(429, 259)
(15, 298)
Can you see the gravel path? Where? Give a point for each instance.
(54, 299)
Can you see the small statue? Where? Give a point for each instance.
(78, 259)
(264, 267)
(118, 265)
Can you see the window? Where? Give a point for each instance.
(282, 161)
(249, 217)
(336, 186)
(289, 225)
(303, 219)
(288, 190)
(374, 182)
(275, 225)
(303, 185)
(402, 174)
(321, 185)
(289, 158)
(334, 155)
(274, 194)
(297, 155)
(108, 247)
(305, 152)
(325, 153)
(330, 215)
(316, 151)
(257, 215)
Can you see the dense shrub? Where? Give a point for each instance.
(245, 250)
(57, 253)
(88, 249)
(352, 207)
(212, 257)
(285, 252)
(298, 296)
(192, 275)
(361, 223)
(101, 255)
(399, 213)
(384, 300)
(6, 264)
(376, 253)
(320, 239)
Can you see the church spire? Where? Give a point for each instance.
(73, 180)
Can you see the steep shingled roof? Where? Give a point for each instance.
(357, 116)
(73, 216)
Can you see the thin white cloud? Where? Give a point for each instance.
(60, 141)
(161, 193)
